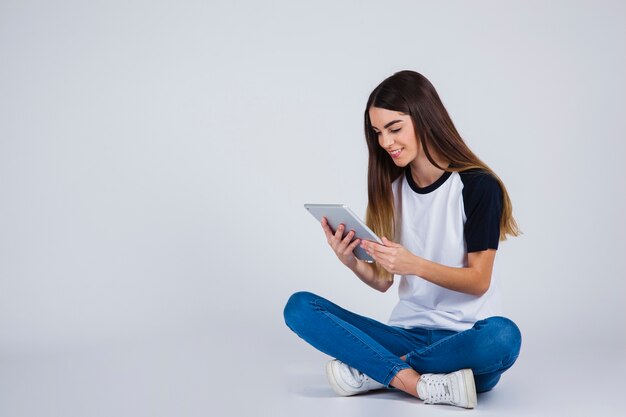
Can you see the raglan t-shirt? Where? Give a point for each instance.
(457, 214)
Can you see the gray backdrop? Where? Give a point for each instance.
(155, 157)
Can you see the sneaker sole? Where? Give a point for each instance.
(332, 379)
(470, 387)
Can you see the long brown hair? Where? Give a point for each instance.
(411, 93)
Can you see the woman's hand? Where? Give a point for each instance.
(394, 257)
(473, 279)
(342, 247)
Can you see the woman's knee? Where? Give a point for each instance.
(486, 383)
(297, 307)
(504, 335)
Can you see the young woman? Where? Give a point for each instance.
(440, 212)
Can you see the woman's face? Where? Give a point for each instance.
(396, 135)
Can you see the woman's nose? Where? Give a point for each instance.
(385, 141)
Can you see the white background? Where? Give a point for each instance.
(155, 157)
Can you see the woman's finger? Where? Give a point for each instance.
(352, 246)
(378, 248)
(339, 232)
(341, 244)
(348, 237)
(345, 242)
(389, 243)
(326, 228)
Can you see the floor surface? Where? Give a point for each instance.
(228, 374)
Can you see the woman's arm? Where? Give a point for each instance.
(367, 273)
(344, 247)
(474, 279)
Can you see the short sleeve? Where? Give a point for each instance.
(482, 199)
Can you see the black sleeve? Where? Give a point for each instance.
(482, 198)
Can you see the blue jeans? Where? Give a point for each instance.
(489, 348)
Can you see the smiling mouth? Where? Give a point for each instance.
(396, 153)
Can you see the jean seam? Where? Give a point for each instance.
(370, 348)
(393, 372)
(496, 368)
(500, 368)
(436, 345)
(330, 316)
(430, 348)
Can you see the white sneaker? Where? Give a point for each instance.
(346, 380)
(457, 388)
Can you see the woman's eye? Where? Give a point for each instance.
(391, 131)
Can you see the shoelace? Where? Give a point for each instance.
(359, 377)
(438, 389)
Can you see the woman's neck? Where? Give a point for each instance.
(424, 172)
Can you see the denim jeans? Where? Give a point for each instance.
(489, 348)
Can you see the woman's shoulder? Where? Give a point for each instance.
(478, 178)
(479, 187)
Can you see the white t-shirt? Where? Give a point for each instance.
(457, 214)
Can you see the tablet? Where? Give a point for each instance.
(337, 214)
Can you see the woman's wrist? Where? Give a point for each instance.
(418, 265)
(363, 270)
(357, 267)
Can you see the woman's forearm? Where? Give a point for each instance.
(469, 280)
(473, 279)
